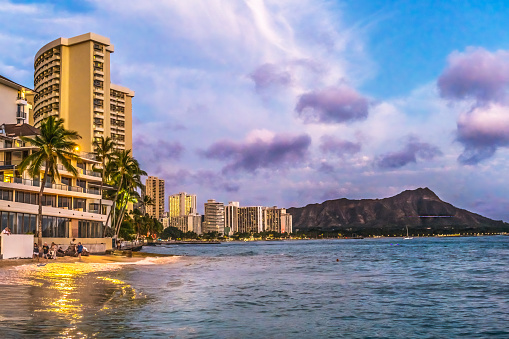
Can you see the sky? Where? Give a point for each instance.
(288, 103)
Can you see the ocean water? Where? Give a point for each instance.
(369, 288)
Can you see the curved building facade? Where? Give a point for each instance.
(72, 81)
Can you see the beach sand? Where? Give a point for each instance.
(92, 259)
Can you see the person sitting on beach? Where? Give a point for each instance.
(80, 250)
(6, 231)
(60, 252)
(45, 250)
(53, 251)
(36, 251)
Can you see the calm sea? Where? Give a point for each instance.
(370, 288)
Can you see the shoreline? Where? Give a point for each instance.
(91, 259)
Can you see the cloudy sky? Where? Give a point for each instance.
(284, 102)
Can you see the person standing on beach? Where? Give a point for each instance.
(45, 250)
(80, 250)
(36, 251)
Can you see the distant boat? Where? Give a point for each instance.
(407, 236)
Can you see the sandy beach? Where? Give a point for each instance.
(91, 259)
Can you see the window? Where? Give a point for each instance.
(5, 194)
(64, 202)
(90, 229)
(66, 181)
(49, 200)
(80, 204)
(27, 198)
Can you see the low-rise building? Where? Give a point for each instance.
(70, 204)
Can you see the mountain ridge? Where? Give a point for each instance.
(421, 210)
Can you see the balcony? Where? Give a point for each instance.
(60, 187)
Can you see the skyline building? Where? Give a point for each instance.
(181, 204)
(154, 188)
(250, 219)
(72, 81)
(231, 217)
(214, 217)
(16, 102)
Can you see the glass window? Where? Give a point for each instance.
(80, 204)
(26, 223)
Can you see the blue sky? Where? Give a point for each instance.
(294, 102)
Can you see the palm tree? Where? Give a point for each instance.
(146, 201)
(103, 150)
(55, 143)
(126, 177)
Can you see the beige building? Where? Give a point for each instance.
(16, 102)
(72, 81)
(214, 217)
(181, 204)
(187, 223)
(250, 219)
(154, 188)
(70, 205)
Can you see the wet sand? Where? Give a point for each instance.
(91, 259)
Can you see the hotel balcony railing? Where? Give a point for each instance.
(61, 187)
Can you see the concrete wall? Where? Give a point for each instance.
(93, 245)
(17, 246)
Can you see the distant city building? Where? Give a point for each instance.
(154, 188)
(214, 217)
(250, 219)
(72, 81)
(231, 219)
(272, 219)
(187, 223)
(16, 102)
(286, 222)
(181, 204)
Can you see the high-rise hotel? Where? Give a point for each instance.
(154, 188)
(72, 81)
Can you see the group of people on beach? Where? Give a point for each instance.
(53, 251)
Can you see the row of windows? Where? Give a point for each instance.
(47, 200)
(52, 227)
(23, 223)
(90, 229)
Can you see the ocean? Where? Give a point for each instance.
(362, 288)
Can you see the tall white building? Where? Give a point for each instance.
(231, 218)
(214, 217)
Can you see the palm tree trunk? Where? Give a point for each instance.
(120, 217)
(39, 222)
(114, 203)
(101, 189)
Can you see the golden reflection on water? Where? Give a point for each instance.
(68, 292)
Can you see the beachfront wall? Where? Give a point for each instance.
(93, 245)
(17, 246)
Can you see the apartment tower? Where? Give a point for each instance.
(72, 81)
(154, 188)
(214, 217)
(181, 204)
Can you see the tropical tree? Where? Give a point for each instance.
(125, 174)
(146, 201)
(54, 144)
(104, 148)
